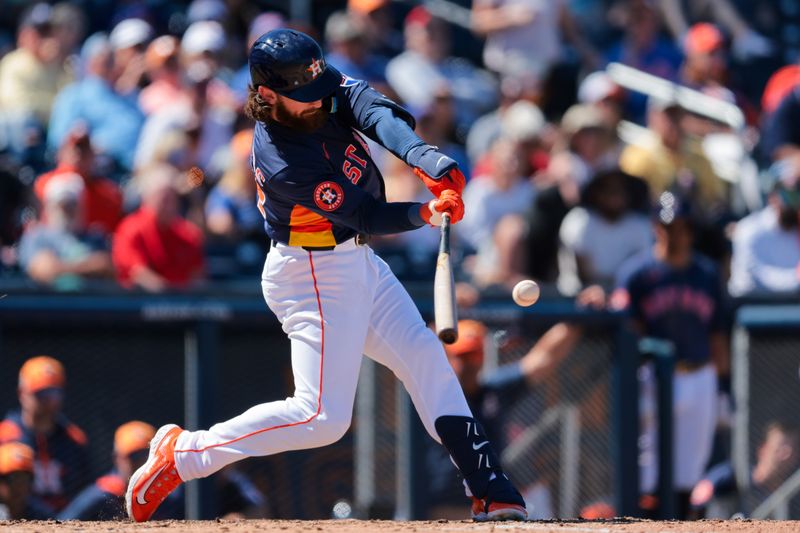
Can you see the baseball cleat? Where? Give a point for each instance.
(497, 511)
(155, 479)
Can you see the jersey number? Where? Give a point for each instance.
(260, 181)
(352, 172)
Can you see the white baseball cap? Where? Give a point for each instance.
(63, 187)
(596, 87)
(203, 36)
(523, 121)
(130, 32)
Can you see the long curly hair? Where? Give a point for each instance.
(256, 108)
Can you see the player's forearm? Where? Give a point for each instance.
(385, 218)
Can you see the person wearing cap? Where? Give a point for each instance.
(260, 25)
(377, 19)
(129, 40)
(58, 250)
(162, 61)
(31, 75)
(61, 460)
(599, 235)
(155, 248)
(101, 199)
(426, 65)
(112, 119)
(16, 482)
(672, 159)
(674, 294)
(766, 244)
(105, 498)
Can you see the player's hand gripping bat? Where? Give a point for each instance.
(444, 300)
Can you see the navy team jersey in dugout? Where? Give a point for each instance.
(320, 189)
(680, 305)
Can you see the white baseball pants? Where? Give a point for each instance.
(694, 417)
(334, 306)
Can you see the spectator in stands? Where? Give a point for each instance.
(487, 128)
(129, 40)
(705, 63)
(598, 236)
(676, 295)
(162, 61)
(494, 204)
(105, 499)
(154, 248)
(777, 458)
(69, 28)
(426, 65)
(102, 199)
(231, 210)
(112, 119)
(16, 483)
(672, 160)
(260, 25)
(436, 126)
(209, 109)
(599, 91)
(642, 47)
(781, 135)
(31, 75)
(766, 244)
(57, 251)
(347, 51)
(61, 460)
(375, 16)
(587, 139)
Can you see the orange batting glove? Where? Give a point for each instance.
(449, 202)
(453, 180)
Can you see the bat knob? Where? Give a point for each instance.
(448, 336)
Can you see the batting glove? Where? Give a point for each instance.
(449, 202)
(438, 171)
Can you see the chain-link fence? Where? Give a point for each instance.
(766, 369)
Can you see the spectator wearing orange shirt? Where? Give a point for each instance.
(155, 248)
(61, 461)
(102, 199)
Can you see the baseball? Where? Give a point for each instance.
(525, 293)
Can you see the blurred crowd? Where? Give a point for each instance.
(124, 154)
(124, 148)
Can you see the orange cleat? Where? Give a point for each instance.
(155, 479)
(497, 511)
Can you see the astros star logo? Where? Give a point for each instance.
(316, 67)
(328, 196)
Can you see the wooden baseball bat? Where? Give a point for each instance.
(444, 299)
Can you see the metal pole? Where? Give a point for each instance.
(365, 435)
(410, 470)
(201, 355)
(626, 423)
(665, 366)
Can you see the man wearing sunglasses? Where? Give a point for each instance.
(61, 461)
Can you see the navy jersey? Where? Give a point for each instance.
(320, 189)
(680, 305)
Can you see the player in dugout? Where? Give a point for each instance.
(16, 482)
(104, 500)
(61, 461)
(322, 196)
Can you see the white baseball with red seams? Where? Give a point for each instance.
(334, 306)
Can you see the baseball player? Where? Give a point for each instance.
(676, 295)
(322, 196)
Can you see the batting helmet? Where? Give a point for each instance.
(291, 63)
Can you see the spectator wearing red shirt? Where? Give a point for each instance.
(102, 198)
(155, 248)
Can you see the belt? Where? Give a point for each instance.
(361, 240)
(683, 366)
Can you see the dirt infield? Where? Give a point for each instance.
(387, 526)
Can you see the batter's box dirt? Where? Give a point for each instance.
(388, 526)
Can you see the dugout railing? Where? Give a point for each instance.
(202, 357)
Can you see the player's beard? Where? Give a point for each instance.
(308, 121)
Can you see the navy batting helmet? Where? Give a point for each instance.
(291, 63)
